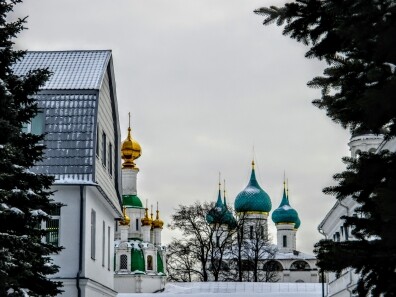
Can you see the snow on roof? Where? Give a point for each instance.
(71, 70)
(224, 289)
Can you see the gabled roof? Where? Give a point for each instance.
(71, 70)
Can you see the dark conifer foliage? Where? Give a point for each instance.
(357, 40)
(25, 202)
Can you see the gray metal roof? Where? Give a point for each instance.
(72, 70)
(69, 128)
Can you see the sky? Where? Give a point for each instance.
(209, 88)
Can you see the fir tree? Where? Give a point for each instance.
(25, 202)
(356, 38)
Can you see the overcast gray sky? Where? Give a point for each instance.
(206, 82)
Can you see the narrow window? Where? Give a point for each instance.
(124, 262)
(111, 159)
(97, 140)
(137, 224)
(52, 227)
(103, 243)
(251, 232)
(284, 241)
(217, 241)
(346, 232)
(104, 159)
(149, 262)
(108, 248)
(93, 234)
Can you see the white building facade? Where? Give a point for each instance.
(333, 227)
(79, 115)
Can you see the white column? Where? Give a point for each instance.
(129, 184)
(124, 232)
(146, 233)
(286, 239)
(157, 236)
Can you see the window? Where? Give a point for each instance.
(149, 262)
(217, 241)
(251, 232)
(110, 159)
(52, 227)
(108, 248)
(137, 224)
(262, 233)
(124, 262)
(97, 140)
(36, 125)
(93, 234)
(272, 265)
(300, 265)
(104, 159)
(346, 232)
(284, 241)
(103, 243)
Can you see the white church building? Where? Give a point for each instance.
(332, 226)
(253, 205)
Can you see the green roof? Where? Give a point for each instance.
(137, 260)
(160, 264)
(131, 201)
(220, 214)
(253, 197)
(285, 213)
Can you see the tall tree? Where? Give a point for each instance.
(25, 261)
(357, 40)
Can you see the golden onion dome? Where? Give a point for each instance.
(126, 220)
(158, 223)
(146, 221)
(130, 151)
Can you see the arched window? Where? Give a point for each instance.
(251, 232)
(284, 241)
(272, 265)
(299, 265)
(123, 262)
(149, 262)
(299, 281)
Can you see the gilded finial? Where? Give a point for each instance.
(219, 181)
(157, 223)
(253, 164)
(130, 149)
(224, 187)
(126, 219)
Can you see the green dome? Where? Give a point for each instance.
(220, 214)
(285, 213)
(253, 197)
(131, 201)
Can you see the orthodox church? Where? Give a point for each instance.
(253, 205)
(139, 265)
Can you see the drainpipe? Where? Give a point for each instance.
(80, 248)
(350, 271)
(320, 230)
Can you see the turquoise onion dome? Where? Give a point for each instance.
(220, 214)
(253, 198)
(285, 213)
(215, 213)
(228, 217)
